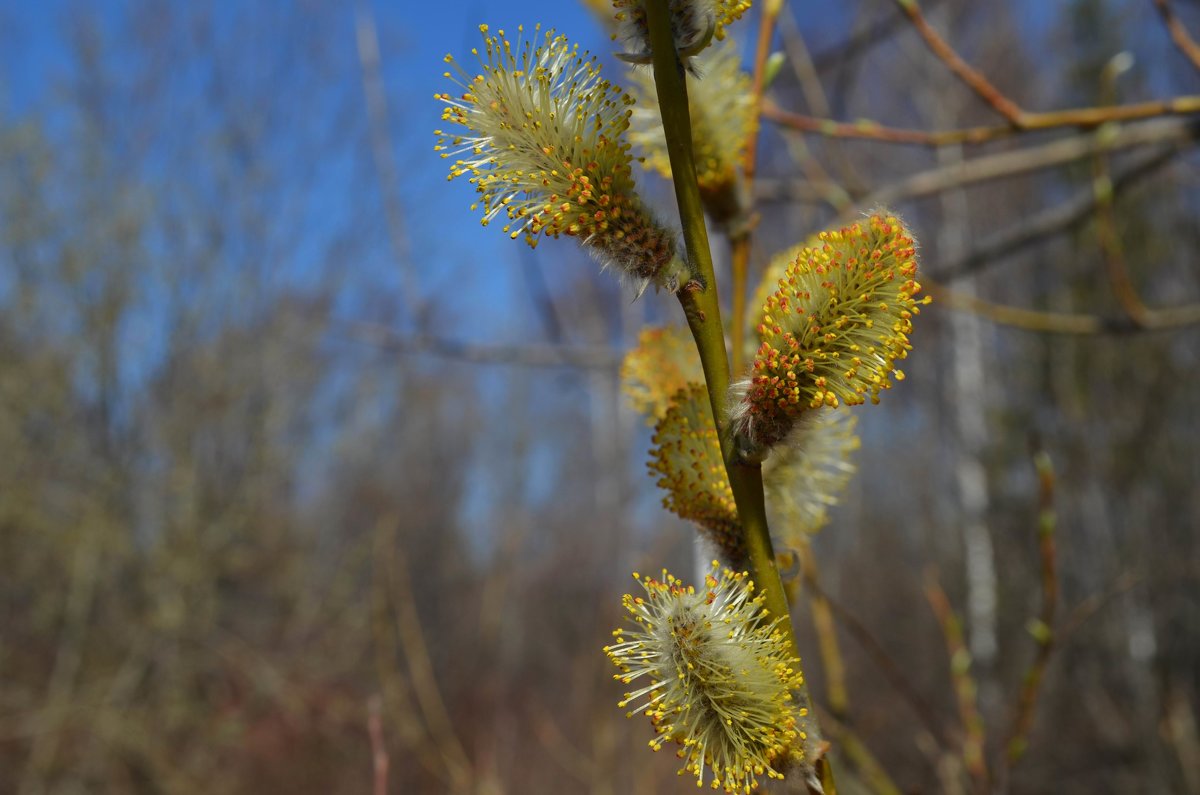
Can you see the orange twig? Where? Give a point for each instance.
(1070, 117)
(961, 69)
(1179, 34)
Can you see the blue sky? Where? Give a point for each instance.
(475, 272)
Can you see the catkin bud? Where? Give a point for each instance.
(545, 147)
(715, 675)
(833, 329)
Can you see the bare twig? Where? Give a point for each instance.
(1062, 322)
(1086, 609)
(961, 69)
(68, 657)
(859, 756)
(379, 754)
(1004, 165)
(1114, 254)
(367, 39)
(572, 760)
(887, 666)
(964, 684)
(420, 667)
(869, 130)
(1179, 34)
(1042, 627)
(827, 640)
(835, 194)
(862, 41)
(1051, 221)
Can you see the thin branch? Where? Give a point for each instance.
(379, 754)
(827, 640)
(961, 69)
(1062, 322)
(965, 689)
(837, 195)
(1110, 244)
(859, 756)
(572, 760)
(367, 39)
(587, 357)
(1086, 609)
(862, 41)
(869, 130)
(1051, 221)
(410, 729)
(1003, 165)
(420, 667)
(891, 671)
(1179, 34)
(1042, 628)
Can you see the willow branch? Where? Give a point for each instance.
(1179, 34)
(1004, 165)
(866, 129)
(961, 69)
(1042, 628)
(965, 689)
(890, 669)
(1062, 322)
(1110, 243)
(702, 309)
(827, 640)
(1052, 220)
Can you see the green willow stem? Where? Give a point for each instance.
(702, 309)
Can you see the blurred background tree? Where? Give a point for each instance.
(310, 486)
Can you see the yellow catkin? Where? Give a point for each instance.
(686, 457)
(715, 675)
(663, 362)
(544, 145)
(831, 332)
